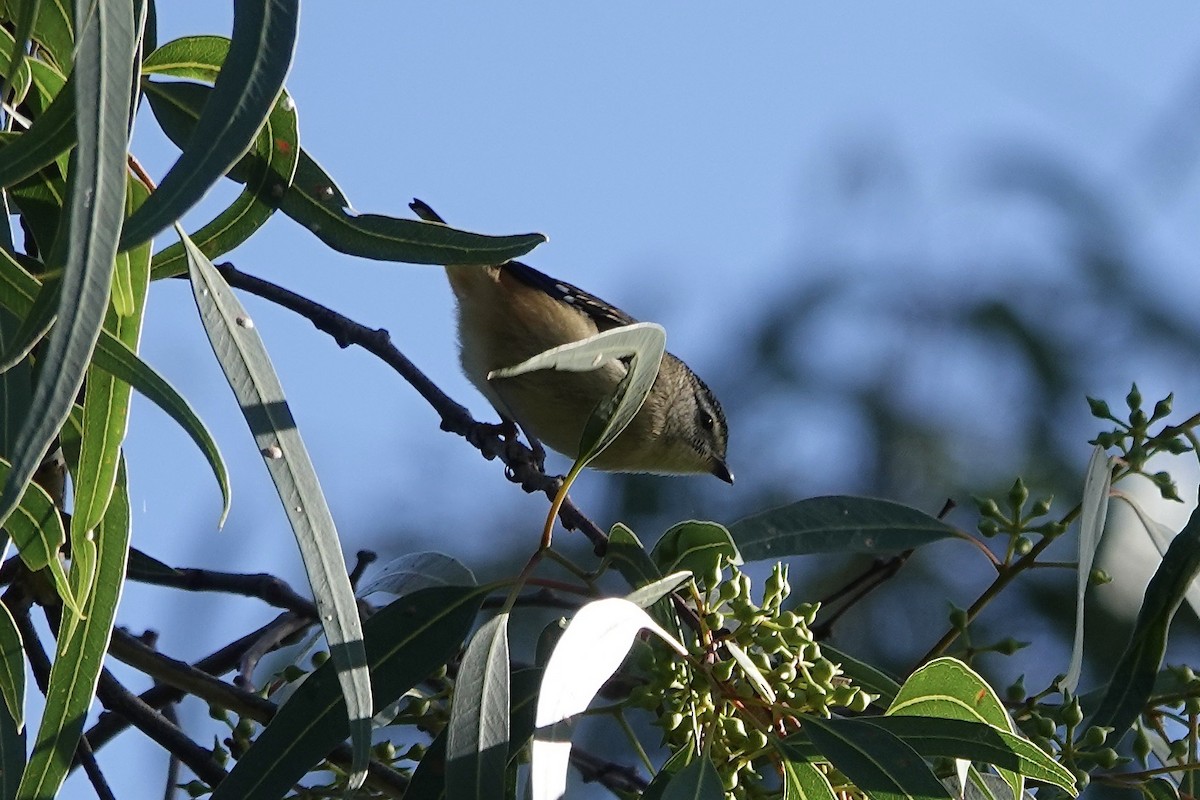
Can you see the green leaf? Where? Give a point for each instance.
(651, 593)
(40, 199)
(33, 328)
(643, 342)
(251, 77)
(266, 172)
(54, 28)
(948, 688)
(627, 554)
(477, 747)
(106, 399)
(1096, 485)
(37, 530)
(1133, 677)
(18, 290)
(976, 741)
(803, 781)
(317, 203)
(699, 780)
(412, 571)
(12, 755)
(247, 367)
(406, 641)
(12, 669)
(428, 780)
(701, 547)
(16, 68)
(836, 525)
(82, 644)
(16, 384)
(52, 134)
(103, 68)
(875, 760)
(863, 674)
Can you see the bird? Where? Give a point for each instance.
(510, 312)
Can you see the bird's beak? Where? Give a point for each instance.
(722, 471)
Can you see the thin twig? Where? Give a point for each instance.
(118, 699)
(520, 461)
(92, 769)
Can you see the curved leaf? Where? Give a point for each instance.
(1091, 527)
(1133, 677)
(106, 399)
(477, 743)
(875, 760)
(803, 781)
(247, 367)
(977, 741)
(52, 134)
(104, 70)
(260, 53)
(12, 669)
(587, 654)
(82, 644)
(700, 547)
(53, 28)
(836, 525)
(266, 172)
(18, 293)
(406, 641)
(412, 571)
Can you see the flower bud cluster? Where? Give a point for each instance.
(755, 668)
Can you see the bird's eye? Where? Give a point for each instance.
(706, 420)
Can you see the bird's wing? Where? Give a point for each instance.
(605, 315)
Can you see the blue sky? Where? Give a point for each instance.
(680, 156)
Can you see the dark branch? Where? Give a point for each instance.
(520, 461)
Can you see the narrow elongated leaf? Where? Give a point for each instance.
(1161, 536)
(53, 28)
(875, 760)
(697, 781)
(836, 525)
(651, 593)
(247, 367)
(103, 68)
(12, 668)
(12, 755)
(264, 37)
(40, 199)
(588, 653)
(26, 16)
(406, 641)
(266, 171)
(16, 386)
(1133, 677)
(80, 655)
(477, 747)
(1091, 527)
(37, 530)
(33, 328)
(106, 399)
(18, 293)
(803, 781)
(52, 134)
(976, 741)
